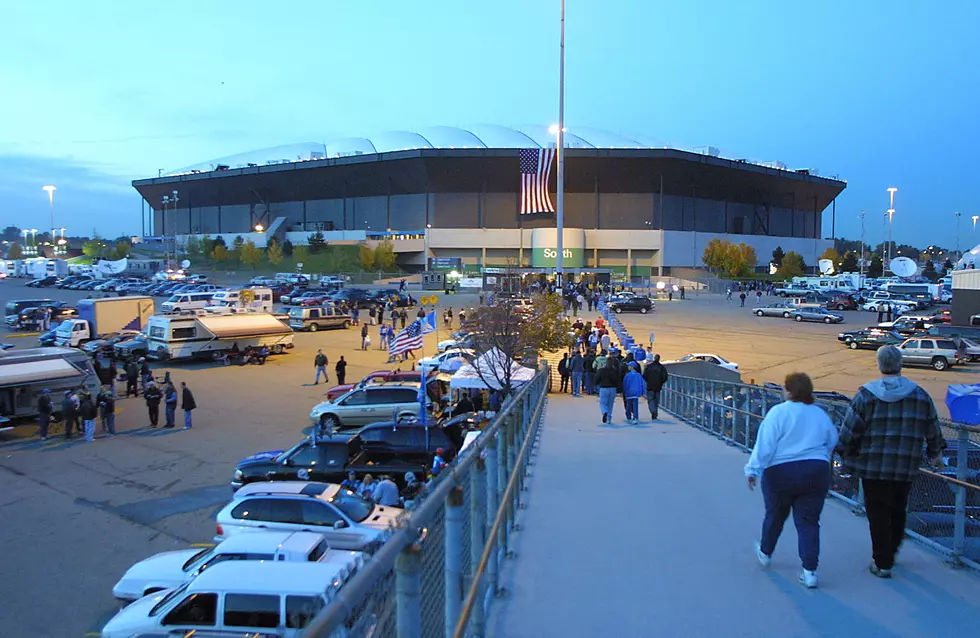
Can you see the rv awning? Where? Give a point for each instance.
(18, 373)
(243, 325)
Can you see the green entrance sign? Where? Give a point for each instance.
(547, 257)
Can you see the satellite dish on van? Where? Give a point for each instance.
(903, 267)
(773, 268)
(826, 266)
(186, 263)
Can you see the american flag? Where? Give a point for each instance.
(535, 170)
(407, 339)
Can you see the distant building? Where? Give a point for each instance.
(452, 194)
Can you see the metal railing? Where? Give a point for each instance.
(944, 506)
(452, 541)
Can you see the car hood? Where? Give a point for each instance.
(133, 618)
(161, 570)
(262, 458)
(383, 517)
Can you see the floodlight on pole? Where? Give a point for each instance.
(975, 218)
(259, 228)
(560, 150)
(958, 215)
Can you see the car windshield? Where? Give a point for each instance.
(355, 507)
(196, 557)
(166, 599)
(173, 299)
(296, 313)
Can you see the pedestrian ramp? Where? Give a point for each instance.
(648, 530)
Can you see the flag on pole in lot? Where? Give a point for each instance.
(535, 171)
(409, 338)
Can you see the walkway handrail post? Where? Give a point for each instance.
(408, 592)
(503, 471)
(478, 522)
(454, 558)
(492, 479)
(962, 467)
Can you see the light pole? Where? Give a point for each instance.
(50, 190)
(167, 199)
(861, 263)
(26, 248)
(957, 213)
(975, 218)
(891, 211)
(560, 216)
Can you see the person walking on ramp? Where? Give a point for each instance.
(792, 455)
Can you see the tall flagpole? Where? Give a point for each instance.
(559, 259)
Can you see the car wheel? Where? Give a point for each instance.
(759, 313)
(840, 306)
(827, 320)
(176, 310)
(330, 421)
(853, 345)
(940, 363)
(314, 327)
(643, 311)
(618, 310)
(785, 315)
(278, 349)
(799, 317)
(346, 324)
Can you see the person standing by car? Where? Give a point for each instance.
(44, 409)
(69, 411)
(341, 369)
(655, 376)
(107, 411)
(132, 374)
(792, 455)
(634, 387)
(187, 404)
(607, 379)
(87, 412)
(170, 404)
(320, 363)
(563, 373)
(881, 442)
(152, 396)
(576, 367)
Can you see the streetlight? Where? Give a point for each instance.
(560, 216)
(957, 231)
(50, 190)
(861, 263)
(975, 218)
(167, 199)
(259, 228)
(891, 211)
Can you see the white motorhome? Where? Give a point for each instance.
(843, 282)
(209, 336)
(25, 374)
(251, 299)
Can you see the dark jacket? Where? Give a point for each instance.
(341, 367)
(153, 396)
(107, 405)
(464, 406)
(655, 375)
(320, 360)
(132, 372)
(68, 408)
(608, 377)
(563, 367)
(86, 409)
(576, 363)
(187, 400)
(145, 370)
(44, 405)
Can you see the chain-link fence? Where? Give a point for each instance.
(438, 572)
(944, 506)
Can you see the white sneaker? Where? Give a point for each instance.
(764, 560)
(808, 578)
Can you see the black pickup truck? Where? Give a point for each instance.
(392, 448)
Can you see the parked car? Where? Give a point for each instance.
(135, 346)
(938, 353)
(437, 360)
(842, 302)
(107, 342)
(369, 404)
(870, 339)
(43, 282)
(816, 314)
(778, 309)
(709, 358)
(642, 305)
(970, 348)
(347, 520)
(381, 376)
(875, 305)
(906, 325)
(168, 570)
(317, 318)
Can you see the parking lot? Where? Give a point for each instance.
(76, 515)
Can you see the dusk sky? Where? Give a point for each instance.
(880, 93)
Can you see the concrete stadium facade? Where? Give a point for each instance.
(452, 194)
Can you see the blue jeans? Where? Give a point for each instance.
(800, 486)
(321, 370)
(653, 402)
(171, 412)
(576, 384)
(187, 418)
(607, 401)
(633, 408)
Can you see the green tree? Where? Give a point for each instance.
(287, 248)
(317, 242)
(777, 256)
(15, 251)
(220, 254)
(93, 247)
(301, 254)
(875, 268)
(236, 251)
(366, 256)
(735, 260)
(250, 255)
(793, 265)
(930, 273)
(831, 254)
(849, 263)
(11, 234)
(714, 255)
(338, 259)
(948, 265)
(194, 247)
(122, 249)
(274, 252)
(384, 257)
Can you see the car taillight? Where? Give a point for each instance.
(220, 531)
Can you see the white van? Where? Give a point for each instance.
(266, 597)
(187, 301)
(254, 299)
(294, 278)
(169, 570)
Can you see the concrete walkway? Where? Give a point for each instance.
(648, 531)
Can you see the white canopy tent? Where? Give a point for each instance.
(488, 371)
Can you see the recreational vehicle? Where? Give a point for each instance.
(210, 336)
(25, 374)
(253, 299)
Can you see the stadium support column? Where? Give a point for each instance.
(559, 261)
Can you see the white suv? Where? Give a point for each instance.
(344, 518)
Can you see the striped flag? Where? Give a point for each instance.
(409, 338)
(535, 171)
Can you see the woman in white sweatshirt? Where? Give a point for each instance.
(792, 455)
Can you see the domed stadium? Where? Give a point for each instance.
(633, 207)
